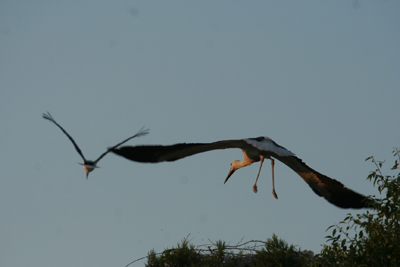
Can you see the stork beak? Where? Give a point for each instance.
(231, 171)
(88, 168)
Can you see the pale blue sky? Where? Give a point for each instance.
(320, 78)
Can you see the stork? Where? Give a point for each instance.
(89, 165)
(254, 150)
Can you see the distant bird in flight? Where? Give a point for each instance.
(89, 165)
(254, 150)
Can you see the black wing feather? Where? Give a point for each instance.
(50, 118)
(332, 190)
(138, 134)
(160, 153)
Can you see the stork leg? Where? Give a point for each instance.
(273, 180)
(259, 170)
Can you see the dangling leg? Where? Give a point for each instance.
(273, 180)
(259, 170)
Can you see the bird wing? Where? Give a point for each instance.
(266, 145)
(138, 134)
(160, 153)
(332, 190)
(50, 118)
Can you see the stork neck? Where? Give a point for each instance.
(240, 164)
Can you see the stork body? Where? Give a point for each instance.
(254, 150)
(89, 165)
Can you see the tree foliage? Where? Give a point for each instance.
(277, 252)
(376, 240)
(183, 255)
(273, 252)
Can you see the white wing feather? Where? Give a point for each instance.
(269, 145)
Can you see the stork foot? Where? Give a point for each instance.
(255, 189)
(274, 193)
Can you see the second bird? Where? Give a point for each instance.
(89, 165)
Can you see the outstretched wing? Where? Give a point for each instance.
(160, 153)
(50, 118)
(138, 134)
(332, 190)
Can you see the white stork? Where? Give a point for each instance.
(254, 150)
(89, 165)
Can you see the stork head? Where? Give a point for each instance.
(234, 166)
(88, 166)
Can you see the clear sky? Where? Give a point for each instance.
(320, 78)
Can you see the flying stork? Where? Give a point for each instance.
(89, 165)
(254, 150)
